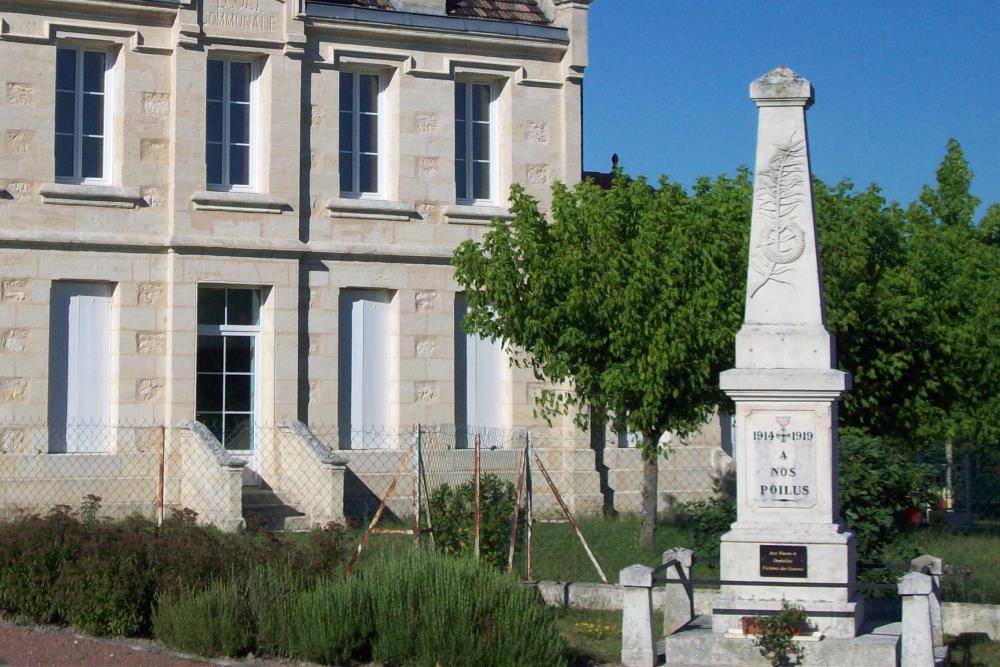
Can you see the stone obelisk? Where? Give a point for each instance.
(788, 542)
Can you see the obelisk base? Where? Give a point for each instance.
(807, 565)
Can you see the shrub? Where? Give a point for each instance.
(774, 635)
(330, 623)
(707, 520)
(108, 589)
(453, 512)
(457, 613)
(103, 575)
(33, 550)
(877, 482)
(212, 622)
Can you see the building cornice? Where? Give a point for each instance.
(449, 29)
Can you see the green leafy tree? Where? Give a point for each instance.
(911, 296)
(628, 298)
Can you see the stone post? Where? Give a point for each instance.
(638, 638)
(918, 649)
(932, 566)
(678, 598)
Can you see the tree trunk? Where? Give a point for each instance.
(598, 443)
(650, 474)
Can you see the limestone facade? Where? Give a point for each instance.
(154, 231)
(157, 234)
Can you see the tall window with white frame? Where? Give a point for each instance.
(229, 136)
(82, 120)
(360, 95)
(473, 142)
(225, 395)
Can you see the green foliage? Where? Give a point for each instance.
(32, 553)
(212, 622)
(102, 576)
(633, 294)
(911, 297)
(629, 298)
(453, 512)
(457, 613)
(108, 589)
(707, 520)
(330, 623)
(774, 635)
(878, 482)
(407, 608)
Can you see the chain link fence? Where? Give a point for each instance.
(294, 476)
(967, 484)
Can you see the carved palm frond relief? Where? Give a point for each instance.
(780, 191)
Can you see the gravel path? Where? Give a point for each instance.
(22, 646)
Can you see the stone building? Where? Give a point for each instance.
(237, 216)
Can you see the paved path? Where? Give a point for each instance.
(22, 646)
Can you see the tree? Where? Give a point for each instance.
(912, 298)
(629, 298)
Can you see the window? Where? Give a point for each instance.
(479, 366)
(473, 142)
(364, 368)
(225, 395)
(359, 134)
(79, 366)
(229, 136)
(82, 121)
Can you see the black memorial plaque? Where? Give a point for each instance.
(782, 560)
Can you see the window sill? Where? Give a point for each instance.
(465, 214)
(238, 202)
(371, 209)
(73, 194)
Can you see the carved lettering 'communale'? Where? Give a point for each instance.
(781, 241)
(241, 15)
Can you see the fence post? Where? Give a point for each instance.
(417, 462)
(530, 518)
(162, 479)
(918, 647)
(678, 598)
(638, 638)
(934, 567)
(478, 518)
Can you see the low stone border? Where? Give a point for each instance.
(959, 617)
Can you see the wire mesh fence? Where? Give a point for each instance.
(967, 485)
(292, 475)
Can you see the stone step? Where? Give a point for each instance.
(697, 646)
(262, 508)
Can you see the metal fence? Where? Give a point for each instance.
(295, 475)
(967, 484)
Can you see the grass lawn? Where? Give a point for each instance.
(559, 556)
(973, 651)
(971, 561)
(594, 637)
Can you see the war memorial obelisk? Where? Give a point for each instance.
(788, 535)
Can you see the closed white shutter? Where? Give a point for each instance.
(484, 362)
(369, 363)
(479, 380)
(80, 360)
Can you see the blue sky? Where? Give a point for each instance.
(667, 86)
